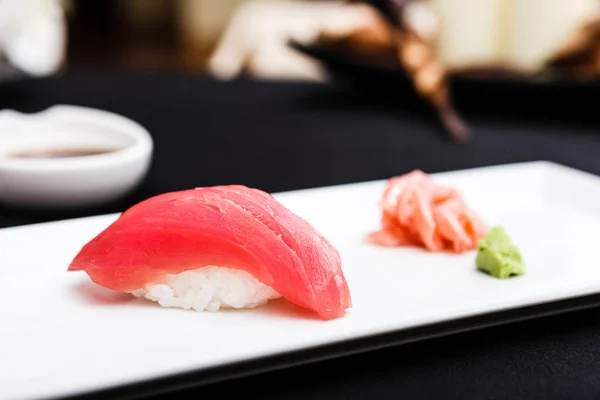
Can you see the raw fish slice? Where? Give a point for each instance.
(235, 227)
(323, 279)
(303, 239)
(141, 245)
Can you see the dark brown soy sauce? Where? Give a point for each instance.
(63, 153)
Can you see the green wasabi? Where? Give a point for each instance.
(498, 256)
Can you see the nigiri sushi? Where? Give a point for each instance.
(419, 212)
(217, 247)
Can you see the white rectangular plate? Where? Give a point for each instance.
(62, 335)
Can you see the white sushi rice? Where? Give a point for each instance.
(209, 289)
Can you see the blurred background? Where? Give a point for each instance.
(145, 34)
(228, 38)
(233, 36)
(157, 34)
(427, 43)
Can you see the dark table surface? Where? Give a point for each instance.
(281, 136)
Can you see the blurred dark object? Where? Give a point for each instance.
(391, 53)
(390, 9)
(9, 72)
(416, 54)
(117, 33)
(580, 57)
(388, 40)
(512, 96)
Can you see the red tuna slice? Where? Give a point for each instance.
(322, 263)
(228, 226)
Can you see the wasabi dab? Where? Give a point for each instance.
(498, 256)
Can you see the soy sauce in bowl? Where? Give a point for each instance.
(63, 152)
(70, 156)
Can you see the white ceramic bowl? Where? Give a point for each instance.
(81, 181)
